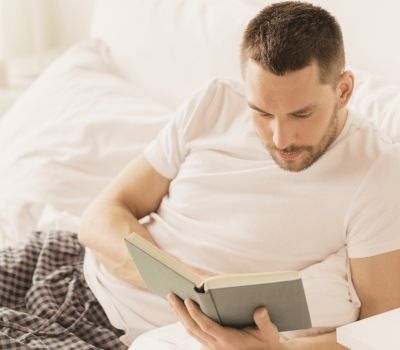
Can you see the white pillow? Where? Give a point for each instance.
(172, 47)
(68, 135)
(378, 100)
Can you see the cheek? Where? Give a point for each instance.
(318, 127)
(262, 127)
(309, 132)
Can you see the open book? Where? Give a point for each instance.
(228, 299)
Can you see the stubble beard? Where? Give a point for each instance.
(310, 154)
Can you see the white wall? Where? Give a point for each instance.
(33, 32)
(72, 20)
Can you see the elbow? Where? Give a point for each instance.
(84, 227)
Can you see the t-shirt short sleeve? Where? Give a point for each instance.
(374, 215)
(170, 148)
(166, 152)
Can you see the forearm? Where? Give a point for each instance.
(325, 341)
(103, 228)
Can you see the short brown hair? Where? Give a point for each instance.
(288, 36)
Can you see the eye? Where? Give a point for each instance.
(303, 115)
(265, 115)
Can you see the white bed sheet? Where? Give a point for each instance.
(171, 337)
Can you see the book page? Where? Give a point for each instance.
(234, 280)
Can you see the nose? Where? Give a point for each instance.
(283, 134)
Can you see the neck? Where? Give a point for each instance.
(342, 117)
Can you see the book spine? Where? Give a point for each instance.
(207, 306)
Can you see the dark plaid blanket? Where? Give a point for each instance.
(45, 302)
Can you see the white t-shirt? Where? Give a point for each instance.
(231, 209)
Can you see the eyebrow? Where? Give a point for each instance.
(302, 110)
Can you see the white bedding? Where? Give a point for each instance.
(171, 337)
(68, 135)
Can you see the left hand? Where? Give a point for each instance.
(213, 336)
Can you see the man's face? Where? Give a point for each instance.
(295, 116)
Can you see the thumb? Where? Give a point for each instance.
(262, 320)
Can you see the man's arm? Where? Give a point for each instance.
(114, 214)
(377, 282)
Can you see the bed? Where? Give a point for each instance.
(97, 106)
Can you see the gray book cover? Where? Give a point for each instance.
(231, 306)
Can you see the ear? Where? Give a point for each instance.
(344, 88)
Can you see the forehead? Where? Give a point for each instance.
(291, 91)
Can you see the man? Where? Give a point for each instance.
(278, 176)
(275, 177)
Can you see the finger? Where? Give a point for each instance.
(206, 324)
(263, 322)
(190, 325)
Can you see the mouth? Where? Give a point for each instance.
(290, 155)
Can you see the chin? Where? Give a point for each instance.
(293, 165)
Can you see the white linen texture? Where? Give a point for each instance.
(67, 136)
